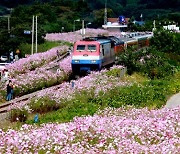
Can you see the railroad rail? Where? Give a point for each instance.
(4, 108)
(4, 115)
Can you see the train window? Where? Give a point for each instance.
(92, 48)
(80, 47)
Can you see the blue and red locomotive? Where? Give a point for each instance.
(93, 53)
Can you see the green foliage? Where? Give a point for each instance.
(166, 41)
(7, 42)
(157, 65)
(25, 48)
(129, 59)
(52, 27)
(18, 115)
(149, 61)
(43, 105)
(55, 14)
(2, 95)
(136, 95)
(79, 106)
(3, 10)
(152, 94)
(114, 72)
(148, 93)
(68, 113)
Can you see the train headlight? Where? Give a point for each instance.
(93, 61)
(76, 61)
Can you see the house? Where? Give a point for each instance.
(113, 24)
(140, 23)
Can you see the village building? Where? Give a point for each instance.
(115, 25)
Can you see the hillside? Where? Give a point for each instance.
(126, 7)
(56, 16)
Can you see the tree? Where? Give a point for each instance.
(166, 41)
(99, 17)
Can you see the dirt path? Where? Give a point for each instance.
(174, 101)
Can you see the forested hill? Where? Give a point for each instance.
(148, 8)
(161, 4)
(56, 16)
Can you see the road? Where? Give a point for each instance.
(174, 101)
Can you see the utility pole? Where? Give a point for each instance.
(154, 23)
(141, 16)
(9, 29)
(8, 24)
(83, 30)
(32, 47)
(105, 13)
(36, 34)
(32, 36)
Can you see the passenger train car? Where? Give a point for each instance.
(93, 53)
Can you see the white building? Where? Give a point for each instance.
(114, 25)
(171, 27)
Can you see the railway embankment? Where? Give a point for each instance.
(65, 90)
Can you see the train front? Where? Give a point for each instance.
(86, 57)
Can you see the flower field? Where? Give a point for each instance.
(110, 131)
(33, 73)
(34, 61)
(42, 77)
(96, 82)
(118, 128)
(74, 36)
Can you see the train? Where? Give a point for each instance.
(94, 53)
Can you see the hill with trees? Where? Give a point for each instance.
(59, 16)
(118, 7)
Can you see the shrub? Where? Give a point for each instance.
(43, 105)
(114, 72)
(79, 106)
(18, 115)
(129, 59)
(144, 95)
(152, 94)
(166, 41)
(150, 62)
(156, 65)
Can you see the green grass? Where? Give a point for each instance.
(143, 93)
(67, 113)
(48, 45)
(26, 48)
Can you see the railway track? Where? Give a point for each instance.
(4, 115)
(4, 108)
